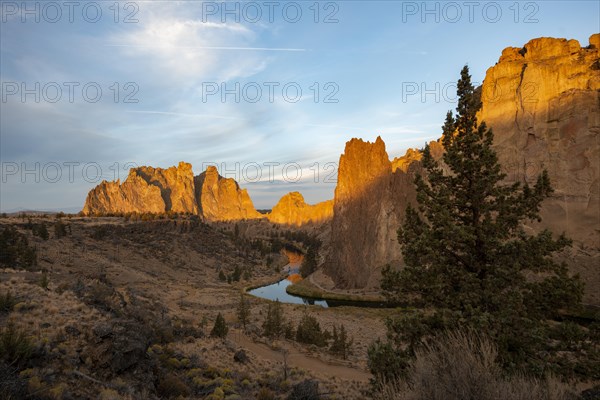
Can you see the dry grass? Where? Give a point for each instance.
(462, 365)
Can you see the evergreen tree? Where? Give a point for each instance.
(60, 229)
(274, 324)
(309, 331)
(467, 255)
(222, 276)
(341, 344)
(237, 273)
(243, 311)
(220, 328)
(15, 251)
(41, 231)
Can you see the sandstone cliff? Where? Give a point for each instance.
(543, 103)
(221, 199)
(146, 189)
(293, 210)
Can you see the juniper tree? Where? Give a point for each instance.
(309, 331)
(467, 256)
(341, 344)
(243, 311)
(220, 328)
(274, 324)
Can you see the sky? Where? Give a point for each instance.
(268, 91)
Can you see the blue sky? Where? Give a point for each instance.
(357, 64)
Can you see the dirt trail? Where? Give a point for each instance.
(299, 360)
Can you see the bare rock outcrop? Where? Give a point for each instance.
(369, 199)
(146, 189)
(543, 103)
(293, 210)
(221, 199)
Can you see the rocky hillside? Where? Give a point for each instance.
(543, 103)
(293, 210)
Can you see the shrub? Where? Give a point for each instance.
(7, 302)
(40, 230)
(171, 386)
(60, 229)
(15, 251)
(309, 331)
(15, 347)
(463, 365)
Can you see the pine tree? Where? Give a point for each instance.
(220, 328)
(243, 311)
(274, 324)
(341, 344)
(309, 331)
(467, 255)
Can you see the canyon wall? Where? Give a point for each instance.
(543, 103)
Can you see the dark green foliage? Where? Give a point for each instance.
(342, 344)
(387, 362)
(44, 281)
(309, 331)
(237, 273)
(288, 331)
(274, 323)
(222, 276)
(15, 347)
(15, 251)
(220, 328)
(243, 311)
(100, 232)
(7, 302)
(467, 255)
(60, 229)
(41, 231)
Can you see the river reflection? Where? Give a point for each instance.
(276, 291)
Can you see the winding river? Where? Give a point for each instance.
(276, 291)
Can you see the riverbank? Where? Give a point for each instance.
(305, 288)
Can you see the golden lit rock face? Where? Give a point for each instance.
(543, 103)
(221, 199)
(293, 210)
(146, 189)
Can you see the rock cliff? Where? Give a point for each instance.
(543, 103)
(146, 189)
(221, 199)
(293, 210)
(369, 200)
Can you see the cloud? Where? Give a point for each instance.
(179, 48)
